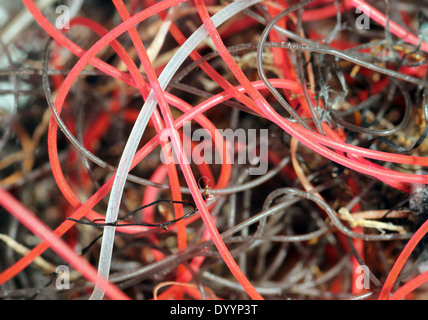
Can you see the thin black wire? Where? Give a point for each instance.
(374, 132)
(418, 142)
(162, 225)
(260, 67)
(301, 75)
(361, 262)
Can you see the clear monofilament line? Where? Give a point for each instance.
(139, 128)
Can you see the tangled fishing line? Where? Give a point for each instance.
(213, 149)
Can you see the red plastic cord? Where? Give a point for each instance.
(38, 228)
